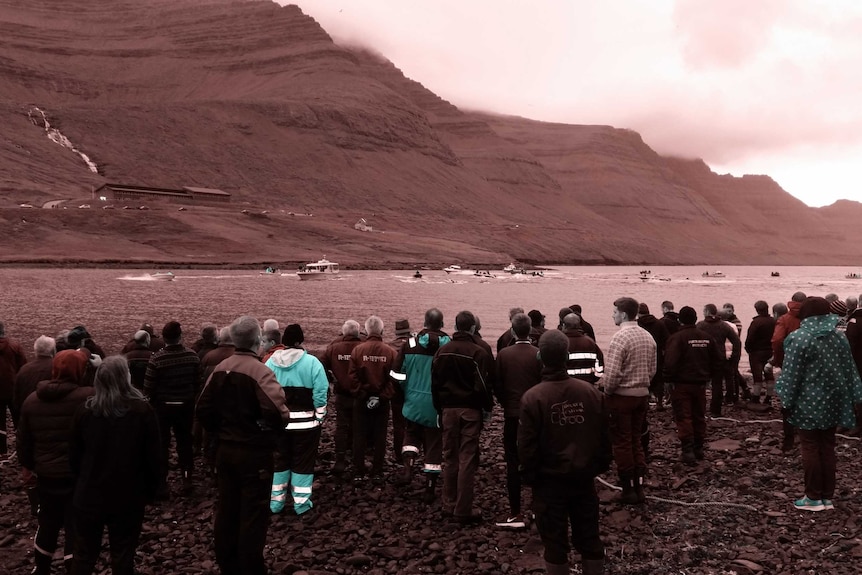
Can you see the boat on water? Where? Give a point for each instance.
(163, 276)
(512, 268)
(652, 278)
(269, 271)
(715, 274)
(319, 270)
(853, 276)
(484, 274)
(775, 274)
(452, 269)
(418, 275)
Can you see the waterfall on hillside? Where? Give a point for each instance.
(38, 117)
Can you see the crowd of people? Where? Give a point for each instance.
(94, 433)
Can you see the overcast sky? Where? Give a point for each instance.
(751, 86)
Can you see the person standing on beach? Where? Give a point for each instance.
(854, 338)
(462, 394)
(585, 325)
(171, 384)
(722, 332)
(785, 324)
(243, 404)
(138, 358)
(563, 444)
(758, 346)
(402, 335)
(586, 360)
(44, 434)
(12, 359)
(412, 371)
(306, 388)
(29, 376)
(630, 365)
(692, 360)
(669, 318)
(818, 387)
(336, 361)
(518, 369)
(115, 455)
(370, 364)
(508, 337)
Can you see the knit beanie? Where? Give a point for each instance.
(813, 306)
(687, 316)
(838, 307)
(293, 335)
(70, 365)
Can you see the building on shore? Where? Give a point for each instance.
(187, 194)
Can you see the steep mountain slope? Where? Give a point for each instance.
(257, 100)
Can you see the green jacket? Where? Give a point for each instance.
(819, 382)
(412, 370)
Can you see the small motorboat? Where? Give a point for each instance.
(269, 271)
(163, 276)
(715, 274)
(319, 270)
(453, 269)
(853, 276)
(775, 274)
(418, 275)
(484, 274)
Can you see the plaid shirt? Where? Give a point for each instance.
(630, 361)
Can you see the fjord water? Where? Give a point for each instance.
(112, 304)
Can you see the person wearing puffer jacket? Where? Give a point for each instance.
(305, 385)
(44, 433)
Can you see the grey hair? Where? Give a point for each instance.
(350, 328)
(374, 325)
(114, 390)
(851, 302)
(44, 346)
(521, 325)
(245, 332)
(142, 337)
(224, 335)
(572, 321)
(270, 325)
(513, 311)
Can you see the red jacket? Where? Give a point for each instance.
(786, 324)
(370, 364)
(336, 361)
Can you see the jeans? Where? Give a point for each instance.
(461, 429)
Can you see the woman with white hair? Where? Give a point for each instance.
(115, 454)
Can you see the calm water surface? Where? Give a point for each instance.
(114, 303)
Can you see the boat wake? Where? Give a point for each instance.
(140, 278)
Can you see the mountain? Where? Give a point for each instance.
(257, 100)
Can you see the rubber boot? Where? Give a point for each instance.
(688, 456)
(629, 495)
(188, 487)
(698, 449)
(789, 433)
(300, 489)
(406, 476)
(430, 493)
(640, 473)
(554, 569)
(593, 566)
(33, 499)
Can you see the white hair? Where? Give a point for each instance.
(270, 324)
(44, 346)
(350, 328)
(374, 325)
(224, 335)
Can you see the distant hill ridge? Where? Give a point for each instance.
(257, 100)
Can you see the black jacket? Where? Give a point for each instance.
(692, 356)
(173, 376)
(518, 369)
(460, 375)
(759, 335)
(563, 431)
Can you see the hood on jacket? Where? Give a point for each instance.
(287, 358)
(793, 308)
(819, 325)
(430, 343)
(70, 365)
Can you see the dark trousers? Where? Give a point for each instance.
(242, 512)
(399, 424)
(371, 422)
(560, 504)
(343, 423)
(757, 360)
(626, 424)
(55, 513)
(430, 439)
(297, 450)
(510, 451)
(688, 402)
(178, 418)
(5, 405)
(124, 529)
(462, 427)
(718, 384)
(818, 462)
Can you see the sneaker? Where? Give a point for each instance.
(806, 504)
(827, 504)
(514, 522)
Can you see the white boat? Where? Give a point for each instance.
(853, 276)
(715, 274)
(452, 269)
(511, 268)
(163, 276)
(319, 270)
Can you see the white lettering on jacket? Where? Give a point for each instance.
(374, 358)
(567, 413)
